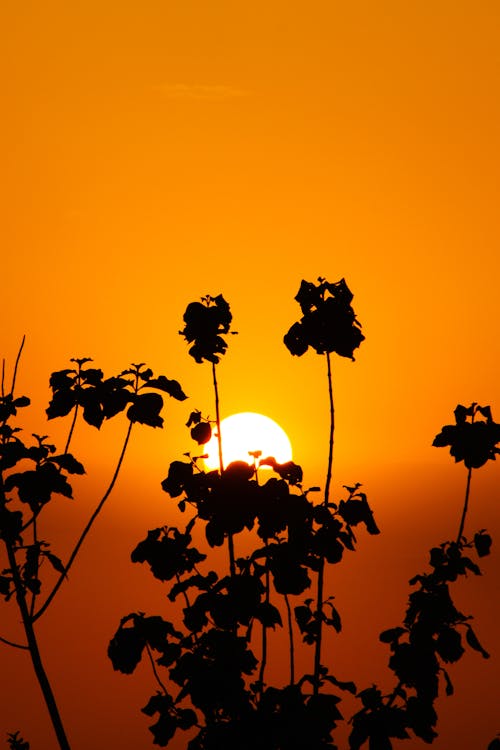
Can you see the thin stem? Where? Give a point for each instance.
(14, 375)
(71, 430)
(321, 571)
(230, 543)
(35, 572)
(40, 672)
(86, 529)
(332, 430)
(155, 671)
(290, 635)
(466, 505)
(263, 661)
(217, 416)
(14, 645)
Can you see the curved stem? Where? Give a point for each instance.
(155, 671)
(86, 529)
(40, 672)
(37, 565)
(290, 636)
(466, 505)
(230, 543)
(321, 571)
(332, 430)
(14, 645)
(14, 376)
(71, 430)
(263, 660)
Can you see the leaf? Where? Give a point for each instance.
(21, 401)
(482, 543)
(126, 646)
(201, 433)
(267, 614)
(473, 642)
(172, 387)
(61, 404)
(69, 463)
(449, 685)
(146, 410)
(54, 561)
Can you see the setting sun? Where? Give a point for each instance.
(246, 433)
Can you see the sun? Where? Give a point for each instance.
(248, 432)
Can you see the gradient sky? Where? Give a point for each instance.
(158, 152)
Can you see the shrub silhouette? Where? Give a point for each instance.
(216, 658)
(217, 685)
(32, 474)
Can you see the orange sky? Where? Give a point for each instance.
(154, 153)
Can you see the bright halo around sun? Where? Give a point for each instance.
(246, 433)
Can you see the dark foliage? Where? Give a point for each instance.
(471, 440)
(328, 322)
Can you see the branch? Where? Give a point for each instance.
(86, 529)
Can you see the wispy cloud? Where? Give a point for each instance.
(209, 92)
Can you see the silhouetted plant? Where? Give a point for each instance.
(431, 636)
(32, 474)
(217, 686)
(328, 325)
(221, 684)
(16, 742)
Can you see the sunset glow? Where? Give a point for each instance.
(157, 152)
(246, 433)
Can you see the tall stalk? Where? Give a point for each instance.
(87, 528)
(263, 661)
(290, 639)
(321, 571)
(466, 505)
(230, 543)
(34, 650)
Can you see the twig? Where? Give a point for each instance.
(86, 529)
(321, 571)
(14, 375)
(466, 505)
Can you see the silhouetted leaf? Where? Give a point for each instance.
(482, 543)
(126, 646)
(172, 387)
(146, 410)
(201, 433)
(69, 463)
(267, 614)
(473, 642)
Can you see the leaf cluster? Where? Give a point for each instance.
(103, 398)
(434, 634)
(328, 322)
(216, 655)
(473, 438)
(206, 323)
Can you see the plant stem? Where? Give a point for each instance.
(14, 376)
(14, 645)
(290, 635)
(466, 505)
(155, 671)
(87, 528)
(43, 680)
(35, 542)
(321, 571)
(71, 429)
(230, 543)
(332, 430)
(263, 660)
